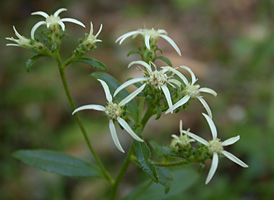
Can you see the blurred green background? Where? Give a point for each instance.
(228, 44)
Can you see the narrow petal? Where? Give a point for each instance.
(100, 29)
(89, 107)
(16, 32)
(203, 102)
(62, 25)
(114, 136)
(193, 77)
(128, 83)
(180, 103)
(15, 45)
(168, 97)
(40, 13)
(230, 141)
(211, 125)
(196, 137)
(125, 125)
(106, 89)
(172, 43)
(132, 95)
(35, 27)
(208, 90)
(75, 21)
(162, 31)
(140, 62)
(233, 158)
(56, 14)
(125, 36)
(174, 81)
(147, 37)
(179, 74)
(213, 168)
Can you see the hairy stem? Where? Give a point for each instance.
(80, 124)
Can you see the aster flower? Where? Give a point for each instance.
(151, 36)
(92, 39)
(183, 140)
(114, 112)
(191, 90)
(21, 41)
(52, 21)
(216, 148)
(157, 79)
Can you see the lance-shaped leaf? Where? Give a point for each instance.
(165, 178)
(93, 62)
(143, 155)
(59, 163)
(166, 60)
(31, 61)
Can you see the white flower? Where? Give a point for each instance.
(92, 39)
(215, 148)
(21, 41)
(191, 90)
(114, 112)
(183, 140)
(157, 79)
(150, 36)
(53, 20)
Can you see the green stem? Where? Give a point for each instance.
(83, 130)
(121, 174)
(172, 164)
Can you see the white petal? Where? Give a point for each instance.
(172, 43)
(56, 14)
(114, 136)
(125, 36)
(125, 125)
(35, 27)
(233, 158)
(132, 95)
(168, 97)
(128, 83)
(40, 13)
(73, 21)
(147, 37)
(16, 32)
(180, 102)
(162, 31)
(196, 137)
(230, 141)
(211, 125)
(89, 107)
(106, 89)
(203, 102)
(16, 45)
(193, 77)
(62, 25)
(174, 81)
(100, 29)
(179, 74)
(213, 168)
(140, 62)
(208, 90)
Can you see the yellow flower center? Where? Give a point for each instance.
(113, 110)
(215, 146)
(52, 20)
(192, 91)
(158, 79)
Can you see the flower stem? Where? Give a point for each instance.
(121, 173)
(80, 124)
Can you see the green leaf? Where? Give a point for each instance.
(93, 62)
(159, 111)
(133, 52)
(31, 61)
(113, 84)
(165, 178)
(143, 155)
(59, 163)
(166, 60)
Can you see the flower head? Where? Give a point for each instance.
(183, 140)
(191, 90)
(151, 36)
(216, 148)
(53, 21)
(114, 112)
(156, 78)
